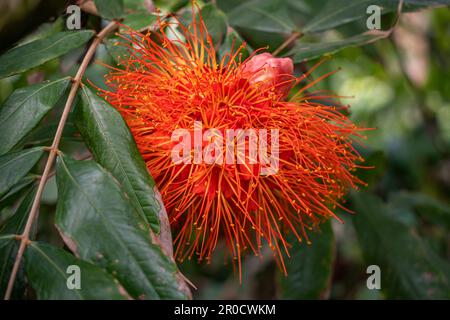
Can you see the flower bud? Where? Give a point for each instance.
(270, 72)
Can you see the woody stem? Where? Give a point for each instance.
(294, 36)
(53, 150)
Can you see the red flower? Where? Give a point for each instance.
(169, 83)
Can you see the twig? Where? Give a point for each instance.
(53, 150)
(294, 36)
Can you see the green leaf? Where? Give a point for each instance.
(308, 16)
(113, 146)
(168, 5)
(338, 12)
(310, 267)
(138, 14)
(99, 223)
(135, 5)
(426, 206)
(139, 20)
(267, 16)
(19, 186)
(215, 21)
(47, 271)
(335, 13)
(14, 166)
(116, 49)
(37, 52)
(307, 51)
(44, 30)
(9, 245)
(409, 268)
(25, 107)
(261, 23)
(109, 9)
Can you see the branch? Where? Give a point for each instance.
(294, 36)
(53, 150)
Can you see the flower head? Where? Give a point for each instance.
(172, 82)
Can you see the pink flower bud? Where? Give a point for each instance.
(270, 72)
